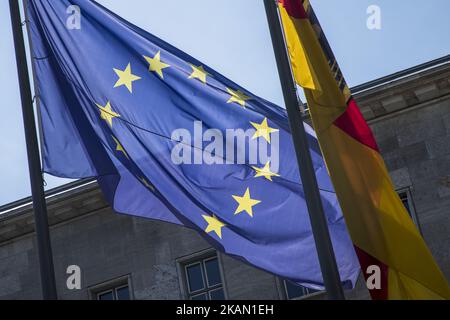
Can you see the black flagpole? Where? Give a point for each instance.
(319, 225)
(47, 273)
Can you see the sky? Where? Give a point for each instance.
(232, 37)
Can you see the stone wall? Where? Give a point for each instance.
(410, 118)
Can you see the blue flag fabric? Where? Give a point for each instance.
(169, 138)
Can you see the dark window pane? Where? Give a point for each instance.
(106, 296)
(309, 290)
(202, 296)
(404, 198)
(294, 291)
(123, 293)
(195, 278)
(213, 272)
(217, 294)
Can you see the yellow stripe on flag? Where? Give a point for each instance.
(324, 91)
(377, 221)
(376, 218)
(303, 73)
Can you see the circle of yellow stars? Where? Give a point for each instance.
(126, 78)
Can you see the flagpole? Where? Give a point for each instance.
(319, 225)
(44, 249)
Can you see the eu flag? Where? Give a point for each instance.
(169, 138)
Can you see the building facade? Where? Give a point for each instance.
(125, 257)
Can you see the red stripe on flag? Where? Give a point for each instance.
(353, 123)
(294, 8)
(366, 260)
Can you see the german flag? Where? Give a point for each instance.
(380, 227)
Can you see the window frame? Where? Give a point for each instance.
(283, 292)
(120, 287)
(412, 208)
(212, 287)
(200, 258)
(304, 289)
(188, 286)
(97, 295)
(111, 285)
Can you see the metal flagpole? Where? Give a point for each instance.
(319, 225)
(47, 273)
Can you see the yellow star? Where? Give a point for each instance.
(107, 114)
(119, 147)
(263, 130)
(214, 224)
(265, 172)
(246, 203)
(238, 97)
(198, 73)
(156, 65)
(126, 78)
(146, 183)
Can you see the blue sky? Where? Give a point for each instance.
(232, 37)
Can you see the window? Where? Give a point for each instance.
(116, 289)
(202, 278)
(295, 291)
(120, 293)
(406, 198)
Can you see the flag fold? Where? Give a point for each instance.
(169, 138)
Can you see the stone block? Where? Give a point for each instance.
(444, 191)
(438, 146)
(384, 129)
(389, 144)
(415, 153)
(427, 92)
(422, 171)
(165, 284)
(446, 119)
(401, 178)
(420, 130)
(394, 160)
(394, 103)
(258, 284)
(10, 284)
